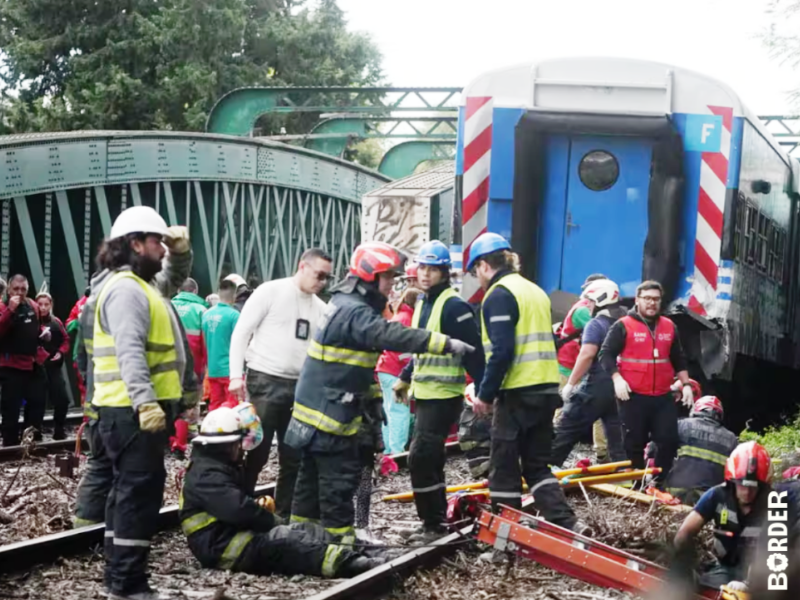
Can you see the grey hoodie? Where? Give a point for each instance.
(126, 316)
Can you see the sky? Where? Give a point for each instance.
(449, 43)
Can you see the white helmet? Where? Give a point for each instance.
(138, 219)
(237, 279)
(253, 431)
(602, 292)
(220, 426)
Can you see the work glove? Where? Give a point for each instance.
(152, 417)
(621, 388)
(737, 586)
(400, 389)
(566, 391)
(177, 239)
(687, 396)
(457, 347)
(267, 503)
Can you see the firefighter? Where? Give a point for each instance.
(520, 383)
(437, 384)
(737, 508)
(703, 450)
(334, 389)
(138, 361)
(591, 399)
(642, 352)
(227, 528)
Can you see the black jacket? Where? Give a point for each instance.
(215, 486)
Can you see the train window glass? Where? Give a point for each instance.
(772, 245)
(780, 246)
(739, 227)
(750, 234)
(598, 170)
(761, 247)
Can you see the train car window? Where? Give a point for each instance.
(739, 228)
(780, 247)
(598, 170)
(750, 234)
(772, 247)
(761, 247)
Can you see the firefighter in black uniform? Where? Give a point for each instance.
(334, 390)
(520, 383)
(705, 446)
(228, 529)
(438, 385)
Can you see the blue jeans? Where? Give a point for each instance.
(395, 434)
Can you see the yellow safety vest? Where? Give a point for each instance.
(162, 357)
(535, 351)
(435, 375)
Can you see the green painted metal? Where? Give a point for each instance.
(333, 135)
(785, 128)
(402, 159)
(237, 111)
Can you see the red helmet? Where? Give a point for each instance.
(696, 391)
(411, 271)
(372, 258)
(748, 465)
(709, 406)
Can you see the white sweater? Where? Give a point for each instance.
(271, 317)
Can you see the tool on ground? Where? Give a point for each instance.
(480, 485)
(67, 463)
(610, 478)
(615, 490)
(663, 497)
(466, 505)
(571, 553)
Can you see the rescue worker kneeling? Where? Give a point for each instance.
(228, 529)
(705, 446)
(737, 508)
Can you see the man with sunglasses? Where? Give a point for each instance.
(272, 334)
(642, 352)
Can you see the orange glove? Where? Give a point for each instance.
(267, 503)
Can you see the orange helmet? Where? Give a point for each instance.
(748, 465)
(707, 405)
(372, 258)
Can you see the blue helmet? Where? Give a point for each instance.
(434, 253)
(486, 243)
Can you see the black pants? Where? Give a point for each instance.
(273, 398)
(650, 418)
(326, 485)
(522, 431)
(134, 499)
(57, 394)
(592, 400)
(434, 420)
(298, 549)
(475, 440)
(19, 386)
(95, 485)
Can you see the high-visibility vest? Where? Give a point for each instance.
(535, 351)
(644, 361)
(437, 375)
(160, 352)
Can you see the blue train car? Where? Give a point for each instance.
(639, 170)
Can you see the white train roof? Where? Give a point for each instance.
(611, 86)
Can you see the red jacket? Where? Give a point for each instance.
(568, 353)
(645, 360)
(23, 362)
(393, 363)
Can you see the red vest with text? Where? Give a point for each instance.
(568, 353)
(644, 362)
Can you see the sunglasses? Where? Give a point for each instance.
(321, 275)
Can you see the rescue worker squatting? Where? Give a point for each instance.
(335, 385)
(642, 353)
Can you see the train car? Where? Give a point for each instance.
(641, 170)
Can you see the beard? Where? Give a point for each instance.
(145, 267)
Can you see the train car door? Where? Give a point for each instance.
(594, 211)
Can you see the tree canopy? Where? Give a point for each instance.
(161, 64)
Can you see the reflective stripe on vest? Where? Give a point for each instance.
(645, 359)
(346, 356)
(703, 454)
(160, 352)
(436, 375)
(234, 549)
(323, 422)
(333, 556)
(197, 522)
(534, 352)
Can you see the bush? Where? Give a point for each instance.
(782, 443)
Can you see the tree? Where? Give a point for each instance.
(161, 64)
(780, 38)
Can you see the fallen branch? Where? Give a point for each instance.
(32, 490)
(11, 484)
(63, 487)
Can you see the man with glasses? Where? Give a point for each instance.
(642, 352)
(272, 334)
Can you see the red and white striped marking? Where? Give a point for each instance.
(475, 181)
(710, 209)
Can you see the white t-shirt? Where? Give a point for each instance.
(282, 320)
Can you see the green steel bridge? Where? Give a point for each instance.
(252, 203)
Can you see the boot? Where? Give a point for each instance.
(427, 536)
(148, 594)
(59, 433)
(358, 565)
